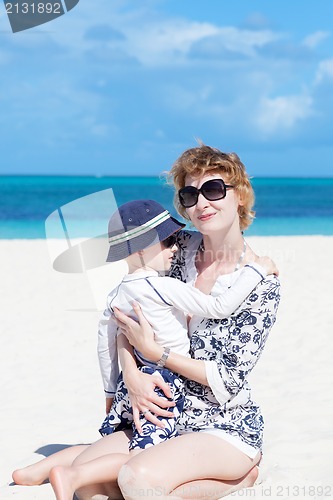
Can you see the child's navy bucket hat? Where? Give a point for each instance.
(137, 225)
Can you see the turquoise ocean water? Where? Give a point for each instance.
(284, 206)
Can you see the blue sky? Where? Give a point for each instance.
(123, 87)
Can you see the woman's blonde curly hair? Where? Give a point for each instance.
(204, 160)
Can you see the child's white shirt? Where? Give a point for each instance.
(165, 302)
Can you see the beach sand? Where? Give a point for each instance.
(51, 391)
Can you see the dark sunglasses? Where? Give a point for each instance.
(212, 190)
(170, 241)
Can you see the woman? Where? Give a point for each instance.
(221, 426)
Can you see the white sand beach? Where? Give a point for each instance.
(51, 391)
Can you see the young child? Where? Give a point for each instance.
(144, 233)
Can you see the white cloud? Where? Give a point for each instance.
(325, 71)
(313, 40)
(246, 41)
(152, 40)
(169, 42)
(275, 115)
(166, 42)
(268, 92)
(188, 97)
(229, 43)
(144, 35)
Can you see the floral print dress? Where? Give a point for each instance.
(230, 348)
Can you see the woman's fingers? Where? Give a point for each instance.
(141, 317)
(136, 419)
(151, 411)
(164, 386)
(152, 416)
(161, 403)
(153, 419)
(129, 327)
(159, 412)
(122, 319)
(138, 333)
(146, 402)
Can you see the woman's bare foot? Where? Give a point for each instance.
(62, 481)
(29, 476)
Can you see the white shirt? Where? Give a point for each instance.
(165, 302)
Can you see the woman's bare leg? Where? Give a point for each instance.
(206, 488)
(189, 490)
(163, 470)
(38, 473)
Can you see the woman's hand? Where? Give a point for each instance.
(144, 399)
(140, 386)
(268, 264)
(139, 333)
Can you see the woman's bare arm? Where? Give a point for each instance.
(141, 387)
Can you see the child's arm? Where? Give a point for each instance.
(193, 301)
(108, 356)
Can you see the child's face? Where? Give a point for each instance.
(159, 257)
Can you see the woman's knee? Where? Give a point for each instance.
(133, 477)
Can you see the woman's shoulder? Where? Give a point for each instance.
(268, 290)
(271, 281)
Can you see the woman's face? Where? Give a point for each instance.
(210, 216)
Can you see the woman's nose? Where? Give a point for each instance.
(202, 202)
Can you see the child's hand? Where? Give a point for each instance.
(108, 404)
(268, 264)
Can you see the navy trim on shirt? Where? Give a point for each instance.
(160, 296)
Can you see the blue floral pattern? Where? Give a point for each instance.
(234, 345)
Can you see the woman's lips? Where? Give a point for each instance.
(205, 217)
